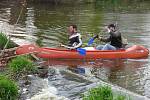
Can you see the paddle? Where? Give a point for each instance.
(81, 51)
(92, 40)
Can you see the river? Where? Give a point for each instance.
(46, 24)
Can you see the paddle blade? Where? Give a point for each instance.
(90, 41)
(81, 51)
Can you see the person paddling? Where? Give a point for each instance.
(74, 38)
(114, 38)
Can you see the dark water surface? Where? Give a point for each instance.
(46, 25)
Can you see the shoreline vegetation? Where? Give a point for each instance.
(103, 93)
(6, 51)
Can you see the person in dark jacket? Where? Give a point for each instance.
(114, 38)
(74, 38)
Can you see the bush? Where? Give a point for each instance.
(3, 41)
(8, 89)
(21, 65)
(102, 93)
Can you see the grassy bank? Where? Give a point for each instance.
(5, 41)
(103, 93)
(8, 89)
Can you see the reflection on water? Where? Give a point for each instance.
(46, 25)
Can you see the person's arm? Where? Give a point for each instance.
(108, 39)
(102, 39)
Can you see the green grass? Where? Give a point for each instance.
(3, 41)
(8, 89)
(102, 93)
(21, 66)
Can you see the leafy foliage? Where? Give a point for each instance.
(102, 93)
(8, 89)
(21, 65)
(4, 39)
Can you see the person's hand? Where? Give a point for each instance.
(96, 36)
(60, 44)
(100, 38)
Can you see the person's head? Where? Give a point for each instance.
(72, 29)
(111, 27)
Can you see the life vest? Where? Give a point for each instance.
(75, 40)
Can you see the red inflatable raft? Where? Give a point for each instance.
(54, 53)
